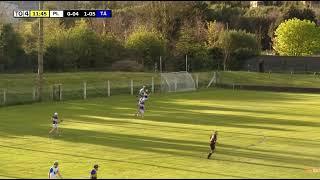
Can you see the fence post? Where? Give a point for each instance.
(108, 88)
(197, 81)
(269, 74)
(131, 87)
(175, 85)
(60, 97)
(84, 90)
(4, 96)
(152, 85)
(34, 94)
(52, 93)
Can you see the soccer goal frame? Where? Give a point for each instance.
(177, 82)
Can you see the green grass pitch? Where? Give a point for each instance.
(261, 135)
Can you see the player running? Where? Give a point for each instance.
(93, 173)
(54, 171)
(55, 122)
(213, 140)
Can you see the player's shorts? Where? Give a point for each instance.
(55, 126)
(212, 146)
(53, 176)
(141, 109)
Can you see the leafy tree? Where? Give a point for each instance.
(214, 30)
(297, 37)
(191, 42)
(76, 48)
(224, 13)
(10, 47)
(148, 45)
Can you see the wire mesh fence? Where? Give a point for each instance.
(62, 90)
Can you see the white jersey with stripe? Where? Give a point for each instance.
(55, 119)
(53, 172)
(141, 101)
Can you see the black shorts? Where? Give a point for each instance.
(212, 146)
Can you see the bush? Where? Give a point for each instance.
(297, 37)
(127, 65)
(148, 45)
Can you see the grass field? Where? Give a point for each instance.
(261, 135)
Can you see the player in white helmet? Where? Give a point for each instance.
(142, 91)
(55, 122)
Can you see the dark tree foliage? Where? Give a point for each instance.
(11, 52)
(301, 14)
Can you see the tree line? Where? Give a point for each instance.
(214, 35)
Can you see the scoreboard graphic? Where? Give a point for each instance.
(63, 14)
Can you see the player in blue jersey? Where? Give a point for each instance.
(54, 171)
(55, 122)
(93, 173)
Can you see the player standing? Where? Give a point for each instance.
(93, 173)
(54, 171)
(141, 106)
(55, 122)
(213, 140)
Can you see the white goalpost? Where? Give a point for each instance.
(177, 81)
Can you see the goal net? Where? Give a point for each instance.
(177, 81)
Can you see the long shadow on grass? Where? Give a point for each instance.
(186, 115)
(213, 120)
(188, 111)
(127, 121)
(136, 125)
(121, 161)
(227, 109)
(178, 147)
(128, 125)
(245, 95)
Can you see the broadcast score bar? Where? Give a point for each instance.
(63, 14)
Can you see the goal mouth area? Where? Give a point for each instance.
(177, 82)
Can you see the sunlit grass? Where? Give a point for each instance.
(261, 135)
